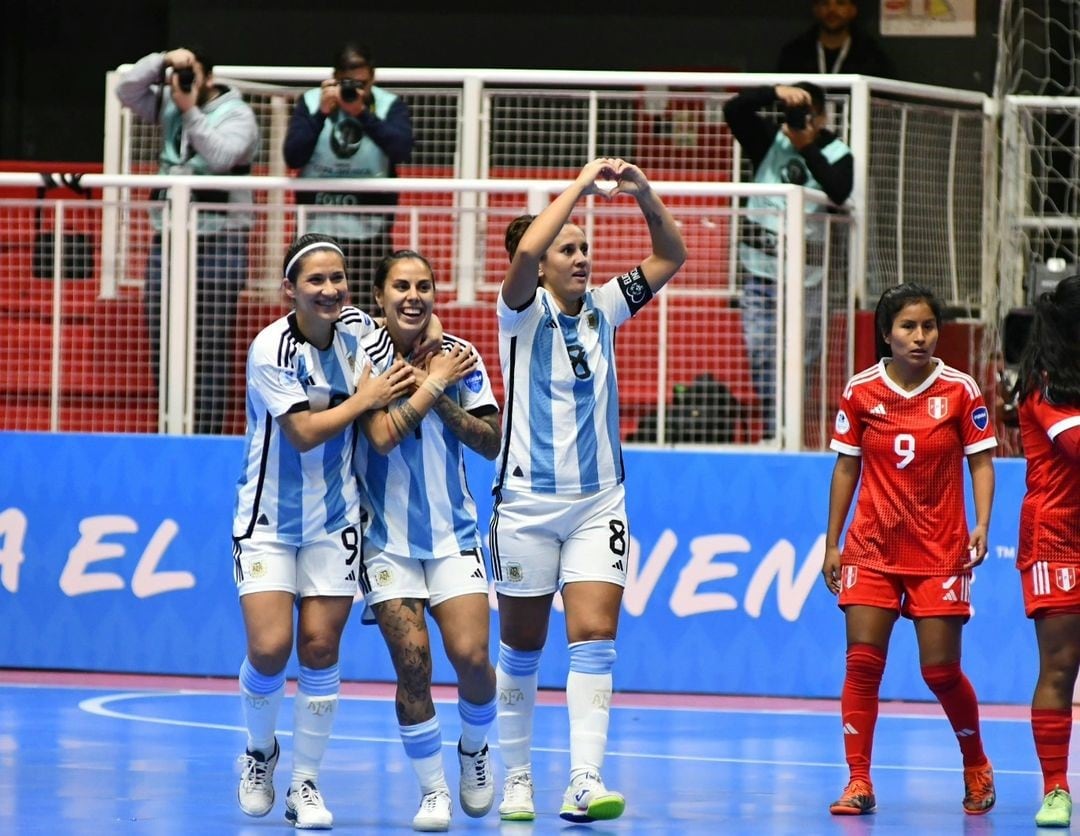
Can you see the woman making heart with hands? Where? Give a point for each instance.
(559, 520)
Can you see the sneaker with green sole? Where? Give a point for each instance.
(1056, 810)
(587, 800)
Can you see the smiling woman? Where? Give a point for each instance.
(422, 542)
(296, 533)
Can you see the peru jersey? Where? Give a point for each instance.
(909, 515)
(416, 497)
(561, 422)
(1050, 513)
(283, 494)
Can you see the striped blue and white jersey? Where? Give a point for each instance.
(416, 497)
(561, 421)
(283, 494)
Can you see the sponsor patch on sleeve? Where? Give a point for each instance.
(475, 381)
(980, 418)
(843, 425)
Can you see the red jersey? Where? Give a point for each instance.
(1050, 513)
(909, 515)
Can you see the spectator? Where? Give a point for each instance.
(347, 127)
(208, 129)
(834, 45)
(801, 151)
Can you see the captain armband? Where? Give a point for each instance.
(635, 289)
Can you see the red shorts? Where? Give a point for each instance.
(912, 596)
(1051, 588)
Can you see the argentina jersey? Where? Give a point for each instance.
(561, 422)
(417, 498)
(282, 494)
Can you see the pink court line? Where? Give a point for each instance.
(385, 690)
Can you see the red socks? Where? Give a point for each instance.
(859, 705)
(957, 697)
(1052, 728)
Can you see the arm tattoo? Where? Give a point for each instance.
(653, 219)
(405, 418)
(479, 434)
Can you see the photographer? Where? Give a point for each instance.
(799, 150)
(348, 127)
(207, 129)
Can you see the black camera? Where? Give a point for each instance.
(796, 117)
(185, 79)
(350, 89)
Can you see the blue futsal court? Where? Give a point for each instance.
(92, 753)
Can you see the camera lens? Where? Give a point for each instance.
(796, 117)
(185, 78)
(349, 92)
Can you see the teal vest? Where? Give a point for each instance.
(344, 150)
(177, 157)
(784, 164)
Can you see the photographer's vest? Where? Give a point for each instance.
(343, 149)
(757, 243)
(178, 157)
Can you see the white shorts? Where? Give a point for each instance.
(385, 577)
(541, 541)
(325, 567)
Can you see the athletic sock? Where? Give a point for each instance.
(313, 718)
(423, 745)
(859, 706)
(475, 722)
(588, 701)
(1052, 729)
(515, 681)
(953, 690)
(261, 698)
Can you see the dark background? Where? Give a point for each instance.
(54, 55)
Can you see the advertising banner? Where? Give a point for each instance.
(115, 555)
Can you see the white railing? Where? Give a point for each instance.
(175, 394)
(912, 144)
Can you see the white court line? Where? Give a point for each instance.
(99, 707)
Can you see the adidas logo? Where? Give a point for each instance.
(949, 596)
(618, 565)
(517, 471)
(878, 410)
(478, 574)
(262, 520)
(351, 576)
(850, 729)
(965, 732)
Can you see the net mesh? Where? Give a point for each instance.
(923, 210)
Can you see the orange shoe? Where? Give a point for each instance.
(979, 794)
(857, 799)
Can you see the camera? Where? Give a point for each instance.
(350, 89)
(796, 117)
(185, 78)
